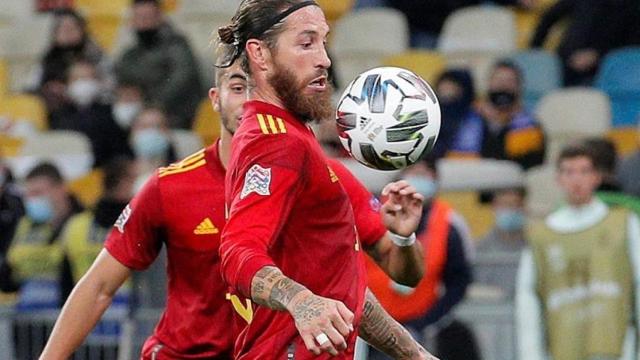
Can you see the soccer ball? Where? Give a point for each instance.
(388, 118)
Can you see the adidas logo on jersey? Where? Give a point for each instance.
(206, 227)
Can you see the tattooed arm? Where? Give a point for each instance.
(381, 331)
(313, 315)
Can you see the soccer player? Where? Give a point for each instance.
(182, 206)
(290, 243)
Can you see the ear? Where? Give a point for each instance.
(258, 54)
(214, 96)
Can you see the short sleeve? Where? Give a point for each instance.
(262, 187)
(366, 206)
(135, 239)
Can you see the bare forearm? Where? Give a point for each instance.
(80, 314)
(271, 288)
(380, 330)
(403, 264)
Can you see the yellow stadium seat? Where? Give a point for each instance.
(88, 188)
(10, 146)
(627, 139)
(526, 22)
(428, 64)
(334, 10)
(170, 6)
(104, 29)
(207, 123)
(4, 78)
(479, 216)
(25, 108)
(114, 7)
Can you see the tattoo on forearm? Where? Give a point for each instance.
(271, 288)
(308, 309)
(380, 330)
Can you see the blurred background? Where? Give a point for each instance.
(94, 95)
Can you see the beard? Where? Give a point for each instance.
(307, 108)
(226, 123)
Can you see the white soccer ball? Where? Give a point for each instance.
(388, 118)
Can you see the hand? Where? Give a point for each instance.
(317, 317)
(583, 60)
(424, 355)
(402, 211)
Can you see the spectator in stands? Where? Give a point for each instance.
(595, 27)
(578, 282)
(445, 239)
(427, 17)
(70, 41)
(35, 254)
(500, 128)
(162, 65)
(606, 160)
(87, 114)
(11, 210)
(127, 105)
(628, 172)
(456, 94)
(151, 142)
(85, 232)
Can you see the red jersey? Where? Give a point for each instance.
(287, 209)
(181, 206)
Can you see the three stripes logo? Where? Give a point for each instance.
(206, 227)
(271, 125)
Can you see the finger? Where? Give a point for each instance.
(310, 343)
(337, 339)
(408, 190)
(339, 324)
(389, 188)
(346, 315)
(419, 197)
(325, 343)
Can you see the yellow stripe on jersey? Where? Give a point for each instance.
(283, 129)
(183, 169)
(272, 124)
(186, 161)
(263, 125)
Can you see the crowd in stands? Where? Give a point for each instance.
(129, 107)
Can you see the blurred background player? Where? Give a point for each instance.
(583, 264)
(109, 271)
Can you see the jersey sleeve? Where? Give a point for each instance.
(135, 239)
(366, 206)
(262, 187)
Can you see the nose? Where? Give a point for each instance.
(324, 61)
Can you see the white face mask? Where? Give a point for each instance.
(84, 92)
(125, 112)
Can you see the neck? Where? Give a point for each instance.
(224, 147)
(265, 93)
(579, 203)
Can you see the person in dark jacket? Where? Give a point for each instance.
(162, 64)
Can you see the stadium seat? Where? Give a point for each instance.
(186, 142)
(170, 6)
(543, 193)
(101, 7)
(206, 8)
(542, 72)
(619, 77)
(334, 10)
(626, 139)
(10, 146)
(427, 64)
(69, 150)
(88, 188)
(104, 29)
(572, 113)
(479, 216)
(364, 37)
(479, 29)
(526, 22)
(374, 180)
(207, 123)
(12, 10)
(24, 108)
(4, 79)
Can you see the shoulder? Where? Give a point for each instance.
(182, 170)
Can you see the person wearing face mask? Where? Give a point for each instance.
(427, 307)
(87, 114)
(504, 243)
(499, 128)
(151, 143)
(456, 94)
(35, 255)
(162, 64)
(127, 105)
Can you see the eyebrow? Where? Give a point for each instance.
(311, 32)
(237, 76)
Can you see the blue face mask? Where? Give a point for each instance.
(39, 209)
(150, 144)
(424, 185)
(510, 220)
